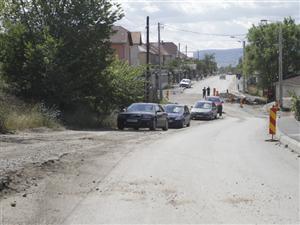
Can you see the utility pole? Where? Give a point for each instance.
(147, 80)
(244, 66)
(159, 56)
(178, 50)
(186, 50)
(280, 65)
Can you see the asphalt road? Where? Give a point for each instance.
(221, 171)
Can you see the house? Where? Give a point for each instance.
(289, 86)
(135, 48)
(121, 41)
(165, 56)
(125, 44)
(171, 49)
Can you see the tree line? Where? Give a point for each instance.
(58, 52)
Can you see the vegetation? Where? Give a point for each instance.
(127, 83)
(262, 51)
(207, 66)
(17, 115)
(238, 69)
(58, 52)
(296, 106)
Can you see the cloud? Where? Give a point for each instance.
(204, 16)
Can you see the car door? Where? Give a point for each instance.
(214, 109)
(159, 115)
(187, 115)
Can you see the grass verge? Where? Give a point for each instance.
(17, 115)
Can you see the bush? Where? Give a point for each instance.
(17, 115)
(296, 106)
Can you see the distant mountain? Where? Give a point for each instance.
(224, 57)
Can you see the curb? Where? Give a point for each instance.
(286, 140)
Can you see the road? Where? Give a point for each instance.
(221, 171)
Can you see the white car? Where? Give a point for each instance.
(187, 83)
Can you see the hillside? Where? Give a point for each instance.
(224, 57)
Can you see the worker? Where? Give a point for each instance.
(208, 91)
(204, 92)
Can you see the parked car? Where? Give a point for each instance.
(187, 83)
(218, 101)
(178, 115)
(143, 115)
(204, 110)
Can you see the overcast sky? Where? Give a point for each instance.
(203, 17)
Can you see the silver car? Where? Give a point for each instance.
(204, 110)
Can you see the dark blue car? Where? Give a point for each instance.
(178, 115)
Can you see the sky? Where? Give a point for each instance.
(203, 24)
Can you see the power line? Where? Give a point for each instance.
(200, 33)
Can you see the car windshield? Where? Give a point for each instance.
(214, 99)
(185, 80)
(174, 109)
(140, 108)
(203, 105)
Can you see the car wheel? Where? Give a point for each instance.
(166, 127)
(153, 125)
(136, 128)
(181, 125)
(120, 126)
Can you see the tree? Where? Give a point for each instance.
(262, 51)
(127, 84)
(208, 65)
(56, 51)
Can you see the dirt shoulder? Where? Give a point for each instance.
(44, 175)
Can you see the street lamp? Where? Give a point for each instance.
(244, 60)
(279, 60)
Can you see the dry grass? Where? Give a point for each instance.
(17, 115)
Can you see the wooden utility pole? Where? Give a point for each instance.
(148, 78)
(159, 73)
(186, 51)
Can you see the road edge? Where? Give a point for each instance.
(286, 140)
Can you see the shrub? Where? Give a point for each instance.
(296, 106)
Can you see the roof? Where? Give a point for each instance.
(136, 38)
(121, 35)
(153, 49)
(181, 55)
(170, 47)
(154, 46)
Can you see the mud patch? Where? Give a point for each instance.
(238, 200)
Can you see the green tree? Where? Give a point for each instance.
(56, 51)
(127, 84)
(208, 65)
(262, 51)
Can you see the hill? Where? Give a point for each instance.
(224, 57)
